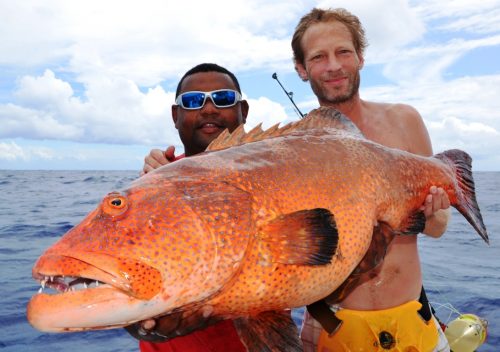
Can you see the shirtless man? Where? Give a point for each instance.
(328, 47)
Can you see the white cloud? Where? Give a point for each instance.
(418, 65)
(18, 121)
(145, 41)
(43, 153)
(265, 111)
(90, 71)
(461, 113)
(11, 151)
(112, 111)
(461, 15)
(482, 22)
(44, 91)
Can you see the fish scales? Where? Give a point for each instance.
(290, 183)
(262, 221)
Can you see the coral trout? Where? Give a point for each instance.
(261, 222)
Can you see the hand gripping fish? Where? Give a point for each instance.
(261, 222)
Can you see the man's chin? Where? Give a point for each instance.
(339, 98)
(203, 143)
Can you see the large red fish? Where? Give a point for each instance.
(262, 222)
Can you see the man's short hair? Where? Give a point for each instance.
(329, 15)
(207, 67)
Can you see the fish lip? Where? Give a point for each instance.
(59, 313)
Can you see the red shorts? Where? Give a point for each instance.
(221, 336)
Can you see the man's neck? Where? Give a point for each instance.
(353, 108)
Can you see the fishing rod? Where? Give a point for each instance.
(289, 95)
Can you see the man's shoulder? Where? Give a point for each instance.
(397, 126)
(395, 109)
(396, 114)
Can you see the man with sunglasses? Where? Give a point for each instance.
(208, 100)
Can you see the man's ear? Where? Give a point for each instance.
(244, 110)
(361, 62)
(301, 70)
(174, 114)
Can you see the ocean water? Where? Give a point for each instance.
(37, 207)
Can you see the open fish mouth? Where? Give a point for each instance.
(88, 304)
(94, 291)
(64, 284)
(59, 274)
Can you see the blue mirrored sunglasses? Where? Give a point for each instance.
(222, 98)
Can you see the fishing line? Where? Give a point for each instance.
(447, 305)
(289, 95)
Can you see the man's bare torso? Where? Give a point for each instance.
(399, 278)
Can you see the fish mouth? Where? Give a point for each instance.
(67, 273)
(63, 284)
(92, 292)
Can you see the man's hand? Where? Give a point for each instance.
(157, 158)
(177, 324)
(436, 208)
(437, 199)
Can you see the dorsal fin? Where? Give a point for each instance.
(320, 118)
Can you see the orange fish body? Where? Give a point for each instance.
(278, 220)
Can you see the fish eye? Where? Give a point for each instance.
(114, 204)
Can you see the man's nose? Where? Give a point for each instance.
(334, 64)
(209, 107)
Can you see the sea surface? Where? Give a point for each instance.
(37, 207)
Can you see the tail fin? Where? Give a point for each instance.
(461, 164)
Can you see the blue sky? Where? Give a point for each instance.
(89, 84)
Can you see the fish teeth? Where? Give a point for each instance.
(67, 283)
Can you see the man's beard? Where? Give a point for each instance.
(333, 98)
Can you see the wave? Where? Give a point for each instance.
(36, 231)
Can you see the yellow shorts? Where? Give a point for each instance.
(398, 329)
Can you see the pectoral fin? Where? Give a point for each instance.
(413, 225)
(305, 237)
(269, 331)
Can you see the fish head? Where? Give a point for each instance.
(146, 251)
